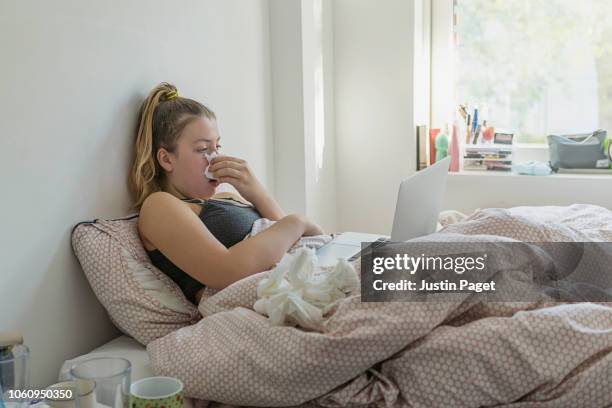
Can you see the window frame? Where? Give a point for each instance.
(442, 75)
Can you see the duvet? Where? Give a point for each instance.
(465, 353)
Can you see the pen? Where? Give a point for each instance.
(476, 134)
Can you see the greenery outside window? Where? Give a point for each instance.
(534, 68)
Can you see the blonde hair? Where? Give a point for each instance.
(161, 119)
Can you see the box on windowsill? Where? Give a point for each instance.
(487, 157)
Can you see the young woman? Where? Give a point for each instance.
(192, 234)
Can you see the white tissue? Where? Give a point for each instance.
(296, 291)
(209, 157)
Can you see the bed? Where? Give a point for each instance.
(541, 353)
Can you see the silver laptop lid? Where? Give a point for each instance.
(418, 202)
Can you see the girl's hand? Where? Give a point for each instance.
(238, 173)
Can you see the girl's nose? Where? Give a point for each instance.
(210, 154)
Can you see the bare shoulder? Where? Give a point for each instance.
(157, 200)
(157, 207)
(158, 204)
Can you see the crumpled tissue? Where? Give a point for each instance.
(298, 292)
(209, 157)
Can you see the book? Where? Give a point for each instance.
(422, 141)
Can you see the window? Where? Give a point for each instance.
(531, 67)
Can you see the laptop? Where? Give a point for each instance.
(416, 214)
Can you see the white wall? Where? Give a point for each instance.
(319, 132)
(467, 191)
(303, 108)
(374, 103)
(288, 103)
(72, 76)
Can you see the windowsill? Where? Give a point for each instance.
(537, 146)
(528, 152)
(476, 174)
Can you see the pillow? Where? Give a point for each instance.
(140, 299)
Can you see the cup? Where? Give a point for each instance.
(102, 381)
(64, 394)
(14, 374)
(161, 392)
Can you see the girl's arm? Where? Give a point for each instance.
(239, 174)
(267, 206)
(179, 234)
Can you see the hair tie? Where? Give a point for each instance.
(172, 95)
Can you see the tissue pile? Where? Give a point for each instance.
(296, 291)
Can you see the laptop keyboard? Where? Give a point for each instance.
(376, 244)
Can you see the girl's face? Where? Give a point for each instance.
(189, 163)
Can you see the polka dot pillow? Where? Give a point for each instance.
(140, 299)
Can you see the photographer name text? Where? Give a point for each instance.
(458, 264)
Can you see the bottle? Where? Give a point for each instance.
(487, 133)
(454, 148)
(442, 145)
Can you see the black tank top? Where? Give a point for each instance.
(227, 219)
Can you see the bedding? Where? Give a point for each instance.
(140, 299)
(462, 353)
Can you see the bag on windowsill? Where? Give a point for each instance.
(578, 151)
